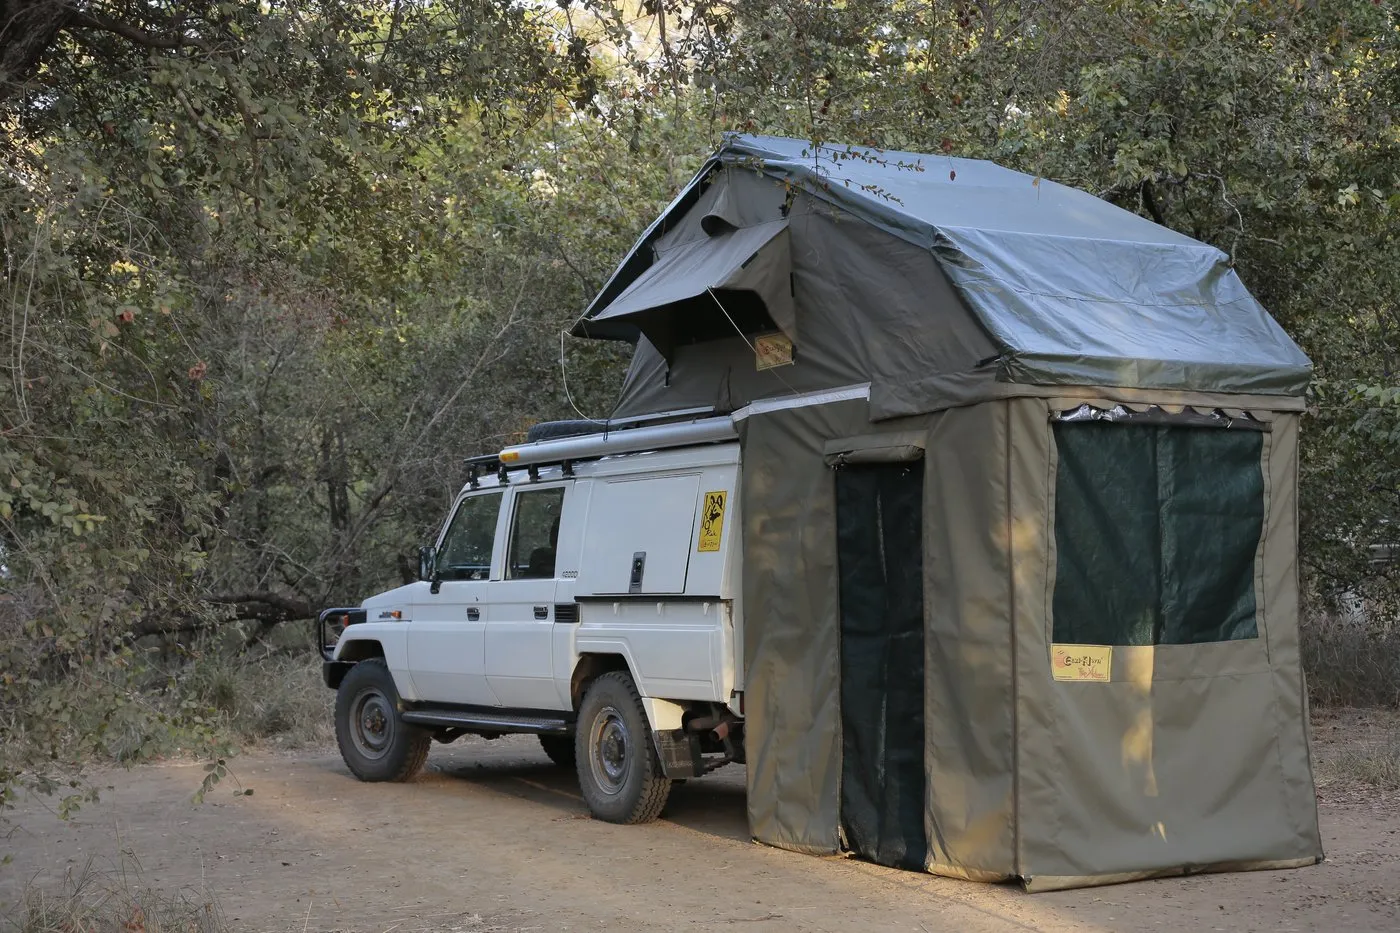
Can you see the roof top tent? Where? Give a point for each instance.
(1019, 503)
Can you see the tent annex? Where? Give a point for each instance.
(1019, 514)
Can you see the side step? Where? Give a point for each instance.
(488, 721)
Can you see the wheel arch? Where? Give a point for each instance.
(592, 665)
(361, 649)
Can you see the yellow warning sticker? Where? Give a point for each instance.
(1092, 663)
(711, 521)
(772, 350)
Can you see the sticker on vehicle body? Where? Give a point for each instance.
(711, 521)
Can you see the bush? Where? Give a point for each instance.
(1351, 663)
(269, 698)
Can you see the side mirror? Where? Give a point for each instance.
(427, 562)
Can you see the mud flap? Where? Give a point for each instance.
(680, 753)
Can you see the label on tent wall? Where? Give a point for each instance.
(1092, 663)
(711, 521)
(772, 350)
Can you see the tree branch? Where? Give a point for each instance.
(84, 20)
(283, 608)
(1150, 202)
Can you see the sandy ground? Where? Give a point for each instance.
(492, 838)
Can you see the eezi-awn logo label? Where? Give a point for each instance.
(1091, 663)
(772, 350)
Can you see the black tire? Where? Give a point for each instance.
(376, 744)
(559, 748)
(618, 770)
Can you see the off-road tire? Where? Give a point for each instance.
(376, 744)
(619, 772)
(559, 748)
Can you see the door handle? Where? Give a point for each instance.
(473, 614)
(541, 612)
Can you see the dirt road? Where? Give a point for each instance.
(492, 838)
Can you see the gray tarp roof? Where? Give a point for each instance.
(1072, 289)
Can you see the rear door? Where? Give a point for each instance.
(519, 636)
(446, 636)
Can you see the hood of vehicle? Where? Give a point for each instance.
(400, 598)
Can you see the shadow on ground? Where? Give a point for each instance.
(714, 805)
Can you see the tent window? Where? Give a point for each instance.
(1156, 531)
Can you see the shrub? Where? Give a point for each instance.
(1351, 663)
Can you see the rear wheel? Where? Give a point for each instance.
(618, 769)
(559, 748)
(376, 744)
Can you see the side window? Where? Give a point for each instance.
(534, 534)
(466, 549)
(1156, 530)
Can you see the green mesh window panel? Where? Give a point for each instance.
(1156, 529)
(879, 548)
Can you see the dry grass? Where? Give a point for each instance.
(1357, 747)
(1376, 763)
(91, 901)
(1351, 664)
(1354, 680)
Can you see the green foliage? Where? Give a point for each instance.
(257, 313)
(270, 270)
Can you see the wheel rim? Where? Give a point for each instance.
(609, 750)
(372, 724)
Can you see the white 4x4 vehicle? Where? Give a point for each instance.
(583, 590)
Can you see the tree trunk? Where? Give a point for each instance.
(28, 28)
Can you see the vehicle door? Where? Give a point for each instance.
(446, 636)
(519, 635)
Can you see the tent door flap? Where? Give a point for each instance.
(879, 545)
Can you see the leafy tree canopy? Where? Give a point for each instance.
(270, 269)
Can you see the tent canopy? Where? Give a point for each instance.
(679, 298)
(1069, 289)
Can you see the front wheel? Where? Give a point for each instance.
(376, 744)
(618, 769)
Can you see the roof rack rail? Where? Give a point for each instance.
(691, 433)
(486, 463)
(614, 436)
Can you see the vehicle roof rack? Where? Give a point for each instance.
(683, 427)
(690, 433)
(476, 466)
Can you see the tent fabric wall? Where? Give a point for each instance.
(1193, 755)
(972, 545)
(791, 678)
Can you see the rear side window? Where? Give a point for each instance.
(1156, 532)
(534, 534)
(466, 548)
